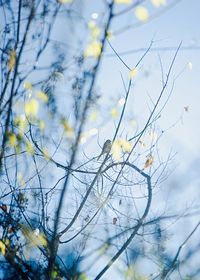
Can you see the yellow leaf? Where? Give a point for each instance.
(93, 116)
(93, 49)
(103, 248)
(133, 73)
(2, 248)
(34, 237)
(31, 108)
(12, 139)
(12, 60)
(114, 113)
(83, 277)
(46, 153)
(95, 31)
(67, 128)
(42, 125)
(125, 145)
(30, 148)
(148, 162)
(65, 1)
(158, 3)
(42, 96)
(123, 1)
(119, 147)
(142, 13)
(21, 122)
(109, 35)
(27, 85)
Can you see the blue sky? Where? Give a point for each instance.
(180, 23)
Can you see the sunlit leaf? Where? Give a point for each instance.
(114, 113)
(21, 122)
(109, 35)
(65, 1)
(12, 60)
(42, 96)
(67, 128)
(54, 274)
(27, 85)
(103, 249)
(158, 3)
(93, 116)
(119, 147)
(34, 238)
(12, 139)
(123, 1)
(30, 148)
(42, 125)
(142, 13)
(2, 248)
(133, 73)
(31, 108)
(93, 49)
(83, 276)
(95, 30)
(46, 154)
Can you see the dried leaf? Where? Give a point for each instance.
(148, 162)
(12, 60)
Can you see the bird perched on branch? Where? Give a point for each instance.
(106, 148)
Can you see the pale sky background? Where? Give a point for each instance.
(181, 23)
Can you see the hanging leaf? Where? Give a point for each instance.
(114, 113)
(12, 139)
(31, 108)
(123, 1)
(148, 162)
(65, 1)
(11, 60)
(42, 96)
(2, 248)
(158, 3)
(93, 49)
(133, 73)
(142, 13)
(27, 85)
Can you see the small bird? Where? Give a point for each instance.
(106, 148)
